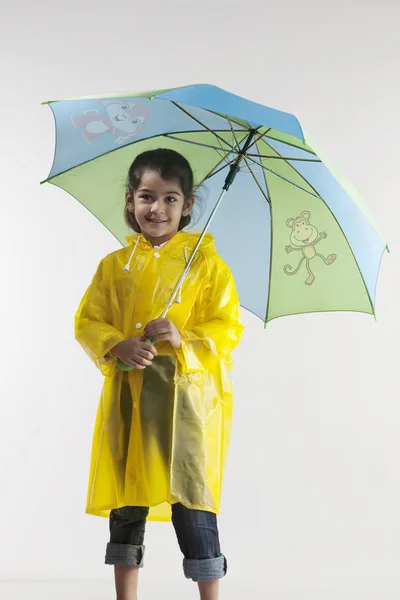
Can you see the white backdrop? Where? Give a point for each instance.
(312, 491)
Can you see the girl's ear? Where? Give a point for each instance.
(189, 203)
(129, 201)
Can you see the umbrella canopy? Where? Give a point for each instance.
(294, 238)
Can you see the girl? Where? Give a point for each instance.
(162, 429)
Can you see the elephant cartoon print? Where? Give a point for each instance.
(304, 237)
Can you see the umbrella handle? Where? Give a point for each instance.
(123, 366)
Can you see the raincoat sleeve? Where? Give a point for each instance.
(218, 328)
(93, 322)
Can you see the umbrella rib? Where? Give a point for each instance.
(255, 179)
(232, 119)
(202, 124)
(316, 195)
(295, 184)
(271, 246)
(233, 132)
(214, 172)
(213, 132)
(198, 131)
(313, 160)
(287, 143)
(172, 137)
(292, 167)
(265, 180)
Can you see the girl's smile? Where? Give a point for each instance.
(155, 221)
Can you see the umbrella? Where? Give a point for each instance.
(296, 240)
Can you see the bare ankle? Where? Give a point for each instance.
(126, 582)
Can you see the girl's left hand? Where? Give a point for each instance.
(163, 330)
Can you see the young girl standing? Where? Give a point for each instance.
(162, 429)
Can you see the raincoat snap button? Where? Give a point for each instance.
(156, 255)
(138, 325)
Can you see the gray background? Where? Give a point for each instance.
(312, 491)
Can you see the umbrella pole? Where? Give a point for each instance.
(228, 181)
(187, 268)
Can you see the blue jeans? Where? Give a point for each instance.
(197, 534)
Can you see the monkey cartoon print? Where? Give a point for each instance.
(304, 237)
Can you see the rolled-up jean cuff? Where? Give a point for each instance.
(205, 569)
(124, 554)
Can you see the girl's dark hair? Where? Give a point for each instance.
(169, 165)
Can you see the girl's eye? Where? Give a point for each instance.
(135, 121)
(125, 106)
(146, 197)
(171, 199)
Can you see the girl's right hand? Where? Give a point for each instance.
(135, 352)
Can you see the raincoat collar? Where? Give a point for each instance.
(179, 240)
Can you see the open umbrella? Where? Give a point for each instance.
(310, 247)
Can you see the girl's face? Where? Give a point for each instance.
(158, 205)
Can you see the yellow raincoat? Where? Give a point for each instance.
(162, 434)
